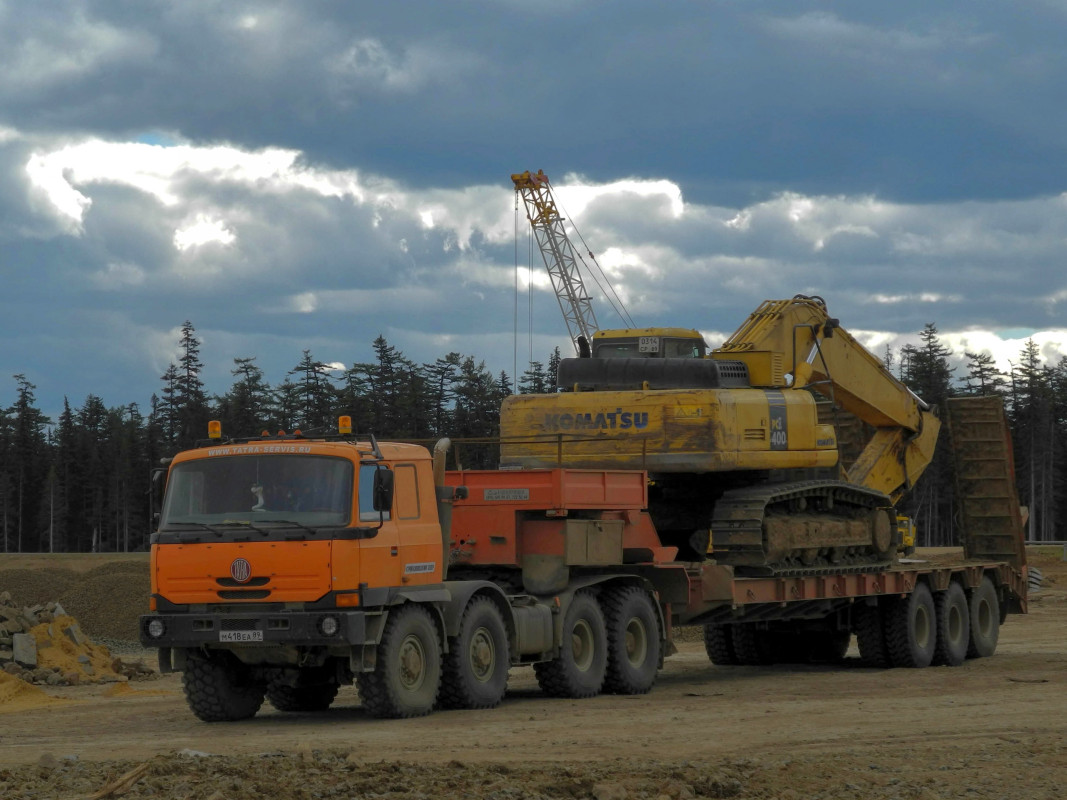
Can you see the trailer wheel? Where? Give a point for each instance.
(719, 645)
(219, 688)
(953, 626)
(911, 629)
(752, 646)
(985, 620)
(407, 672)
(581, 666)
(868, 622)
(633, 641)
(477, 663)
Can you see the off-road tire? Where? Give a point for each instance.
(985, 620)
(407, 671)
(581, 666)
(868, 623)
(719, 645)
(911, 628)
(476, 666)
(302, 698)
(752, 646)
(953, 626)
(633, 641)
(219, 688)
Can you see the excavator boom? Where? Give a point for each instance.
(799, 336)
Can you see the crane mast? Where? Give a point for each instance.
(558, 254)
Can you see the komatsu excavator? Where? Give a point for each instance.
(741, 470)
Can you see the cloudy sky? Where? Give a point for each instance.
(294, 175)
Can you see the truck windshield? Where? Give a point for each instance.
(300, 490)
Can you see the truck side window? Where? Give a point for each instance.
(367, 513)
(407, 492)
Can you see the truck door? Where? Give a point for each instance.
(380, 561)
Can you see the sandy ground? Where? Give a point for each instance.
(993, 728)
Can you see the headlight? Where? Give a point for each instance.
(328, 626)
(155, 628)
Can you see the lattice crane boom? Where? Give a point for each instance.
(558, 254)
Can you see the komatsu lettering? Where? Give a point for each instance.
(602, 420)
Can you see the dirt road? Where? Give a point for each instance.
(993, 728)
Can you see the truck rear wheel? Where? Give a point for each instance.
(719, 645)
(911, 629)
(581, 666)
(407, 673)
(985, 620)
(219, 688)
(633, 641)
(953, 626)
(754, 647)
(868, 622)
(477, 664)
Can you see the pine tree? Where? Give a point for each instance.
(316, 393)
(29, 451)
(533, 380)
(246, 409)
(927, 372)
(983, 377)
(440, 380)
(1033, 433)
(552, 371)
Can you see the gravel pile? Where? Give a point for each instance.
(106, 600)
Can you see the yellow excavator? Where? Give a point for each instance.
(741, 470)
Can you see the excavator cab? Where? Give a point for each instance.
(649, 343)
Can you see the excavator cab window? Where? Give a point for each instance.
(650, 347)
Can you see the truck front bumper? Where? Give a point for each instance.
(326, 628)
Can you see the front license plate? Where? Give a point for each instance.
(240, 636)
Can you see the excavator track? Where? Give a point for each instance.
(805, 527)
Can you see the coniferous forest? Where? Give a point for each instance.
(83, 482)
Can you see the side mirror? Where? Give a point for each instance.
(383, 490)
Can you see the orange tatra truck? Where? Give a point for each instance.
(286, 566)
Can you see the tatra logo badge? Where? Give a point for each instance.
(240, 570)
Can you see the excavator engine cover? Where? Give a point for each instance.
(621, 374)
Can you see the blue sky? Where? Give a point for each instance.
(293, 176)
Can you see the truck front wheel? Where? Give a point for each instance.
(219, 688)
(633, 641)
(407, 672)
(477, 664)
(580, 667)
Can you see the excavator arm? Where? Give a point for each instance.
(795, 343)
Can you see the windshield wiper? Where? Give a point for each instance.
(201, 525)
(292, 522)
(248, 525)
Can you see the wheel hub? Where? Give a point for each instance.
(412, 662)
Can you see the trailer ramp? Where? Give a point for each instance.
(988, 502)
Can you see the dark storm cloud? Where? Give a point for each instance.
(314, 174)
(733, 101)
